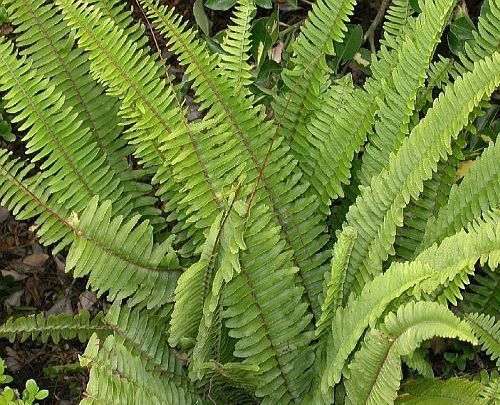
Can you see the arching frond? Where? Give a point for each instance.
(487, 330)
(55, 327)
(351, 321)
(306, 74)
(415, 55)
(415, 161)
(454, 391)
(70, 158)
(119, 376)
(237, 44)
(139, 269)
(44, 38)
(479, 244)
(375, 372)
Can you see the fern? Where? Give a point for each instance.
(375, 372)
(478, 192)
(237, 44)
(55, 327)
(482, 295)
(234, 290)
(452, 391)
(118, 376)
(414, 162)
(486, 328)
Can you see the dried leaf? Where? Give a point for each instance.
(36, 259)
(14, 299)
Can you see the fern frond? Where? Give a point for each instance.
(138, 269)
(434, 196)
(266, 161)
(375, 372)
(428, 391)
(117, 375)
(480, 244)
(415, 161)
(44, 39)
(333, 288)
(350, 321)
(71, 159)
(483, 293)
(407, 79)
(237, 44)
(478, 192)
(306, 74)
(487, 330)
(163, 139)
(55, 327)
(143, 332)
(396, 20)
(122, 16)
(418, 362)
(491, 393)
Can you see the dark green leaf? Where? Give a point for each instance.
(200, 17)
(220, 4)
(351, 44)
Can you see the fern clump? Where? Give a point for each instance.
(298, 251)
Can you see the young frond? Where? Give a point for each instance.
(237, 44)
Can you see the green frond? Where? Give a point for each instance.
(44, 38)
(491, 393)
(55, 327)
(333, 286)
(271, 173)
(164, 141)
(415, 161)
(70, 158)
(306, 74)
(483, 293)
(199, 287)
(143, 333)
(401, 90)
(487, 330)
(121, 259)
(30, 197)
(375, 372)
(434, 196)
(237, 44)
(432, 391)
(456, 257)
(396, 20)
(486, 39)
(351, 321)
(347, 130)
(121, 14)
(118, 376)
(478, 192)
(418, 362)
